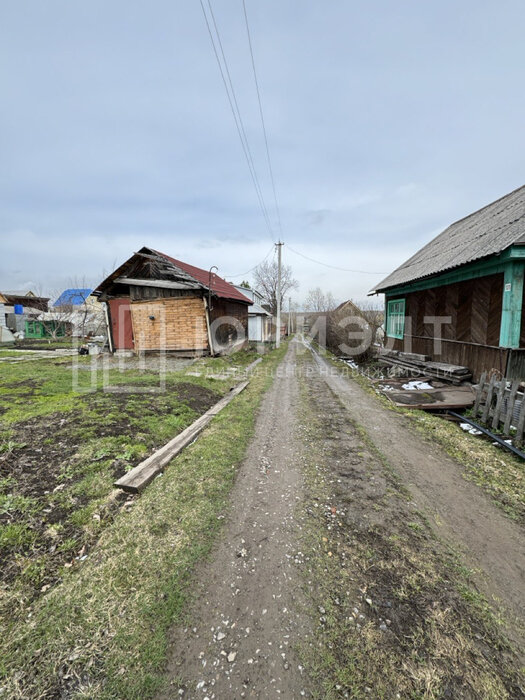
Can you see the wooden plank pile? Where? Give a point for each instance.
(500, 404)
(420, 365)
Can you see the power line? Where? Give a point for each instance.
(253, 268)
(335, 267)
(234, 106)
(270, 169)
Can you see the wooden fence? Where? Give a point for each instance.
(500, 405)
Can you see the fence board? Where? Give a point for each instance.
(479, 393)
(510, 406)
(521, 423)
(490, 392)
(499, 404)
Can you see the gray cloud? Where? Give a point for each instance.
(386, 121)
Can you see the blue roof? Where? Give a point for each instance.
(73, 297)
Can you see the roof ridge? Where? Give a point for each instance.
(478, 211)
(223, 288)
(484, 232)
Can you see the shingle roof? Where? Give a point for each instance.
(485, 232)
(219, 287)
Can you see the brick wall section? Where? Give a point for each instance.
(179, 324)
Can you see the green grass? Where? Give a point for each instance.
(61, 450)
(15, 536)
(102, 632)
(14, 353)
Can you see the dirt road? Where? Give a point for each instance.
(253, 606)
(460, 511)
(248, 614)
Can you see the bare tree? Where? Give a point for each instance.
(319, 301)
(75, 314)
(374, 315)
(265, 278)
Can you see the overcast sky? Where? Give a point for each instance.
(386, 122)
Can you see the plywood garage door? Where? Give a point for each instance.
(170, 324)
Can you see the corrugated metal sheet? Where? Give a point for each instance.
(258, 309)
(73, 297)
(485, 232)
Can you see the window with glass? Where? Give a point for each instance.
(395, 318)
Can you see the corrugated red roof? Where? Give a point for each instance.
(220, 287)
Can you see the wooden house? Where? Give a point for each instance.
(25, 299)
(155, 302)
(459, 299)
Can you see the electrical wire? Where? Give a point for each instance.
(269, 160)
(241, 274)
(334, 267)
(234, 106)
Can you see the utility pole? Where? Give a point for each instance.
(290, 329)
(278, 332)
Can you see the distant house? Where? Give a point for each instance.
(17, 307)
(72, 298)
(25, 298)
(460, 298)
(77, 312)
(259, 319)
(156, 302)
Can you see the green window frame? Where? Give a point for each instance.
(395, 318)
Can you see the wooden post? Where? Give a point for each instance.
(499, 404)
(479, 393)
(490, 392)
(208, 329)
(511, 305)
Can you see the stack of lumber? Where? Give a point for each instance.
(423, 365)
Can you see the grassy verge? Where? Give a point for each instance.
(14, 353)
(498, 472)
(396, 614)
(102, 632)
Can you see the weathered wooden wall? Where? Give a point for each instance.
(471, 338)
(516, 364)
(474, 308)
(226, 332)
(178, 324)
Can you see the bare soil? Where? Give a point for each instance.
(247, 614)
